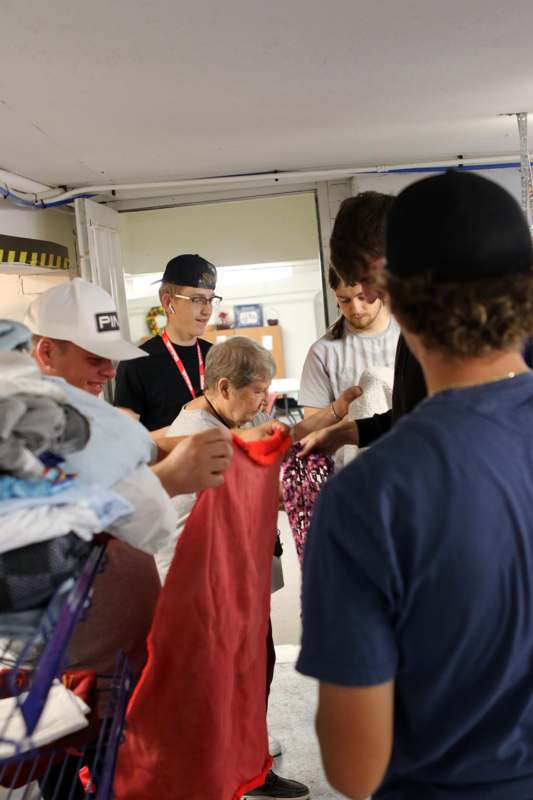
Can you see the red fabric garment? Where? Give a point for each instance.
(196, 724)
(267, 451)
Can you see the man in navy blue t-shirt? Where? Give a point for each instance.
(418, 577)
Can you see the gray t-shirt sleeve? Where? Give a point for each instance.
(187, 423)
(315, 385)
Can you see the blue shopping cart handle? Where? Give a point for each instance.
(61, 623)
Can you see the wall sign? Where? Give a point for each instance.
(249, 316)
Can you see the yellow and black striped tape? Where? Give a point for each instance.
(33, 252)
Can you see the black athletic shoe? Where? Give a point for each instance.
(277, 788)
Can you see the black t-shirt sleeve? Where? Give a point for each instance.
(409, 383)
(372, 428)
(129, 391)
(205, 346)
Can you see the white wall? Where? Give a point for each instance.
(16, 294)
(253, 231)
(392, 183)
(55, 225)
(51, 225)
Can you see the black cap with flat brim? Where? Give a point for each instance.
(455, 228)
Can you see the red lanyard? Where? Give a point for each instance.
(179, 363)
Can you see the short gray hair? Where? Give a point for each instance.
(242, 361)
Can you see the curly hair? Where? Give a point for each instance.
(358, 234)
(465, 319)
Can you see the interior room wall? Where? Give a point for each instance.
(230, 233)
(267, 251)
(16, 293)
(392, 183)
(51, 225)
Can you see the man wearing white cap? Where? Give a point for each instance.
(77, 337)
(79, 334)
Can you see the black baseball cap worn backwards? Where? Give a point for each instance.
(190, 270)
(457, 227)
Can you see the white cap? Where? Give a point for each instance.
(83, 313)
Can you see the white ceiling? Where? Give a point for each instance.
(125, 90)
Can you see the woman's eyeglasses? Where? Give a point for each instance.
(200, 300)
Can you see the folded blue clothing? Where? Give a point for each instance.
(44, 487)
(108, 506)
(118, 444)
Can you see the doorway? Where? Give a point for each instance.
(267, 252)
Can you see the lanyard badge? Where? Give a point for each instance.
(180, 365)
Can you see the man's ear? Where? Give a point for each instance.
(166, 302)
(45, 354)
(223, 387)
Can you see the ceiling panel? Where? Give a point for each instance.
(135, 90)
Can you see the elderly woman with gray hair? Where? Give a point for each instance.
(238, 373)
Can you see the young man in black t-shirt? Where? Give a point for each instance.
(156, 388)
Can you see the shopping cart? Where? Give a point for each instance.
(33, 659)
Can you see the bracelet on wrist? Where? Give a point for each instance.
(334, 412)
